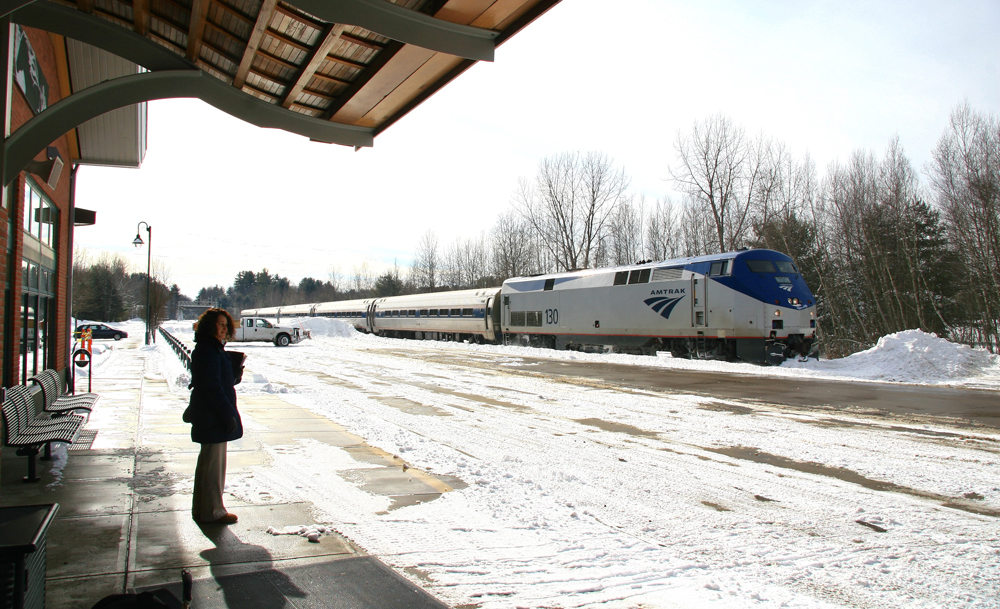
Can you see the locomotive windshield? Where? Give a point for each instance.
(767, 266)
(761, 266)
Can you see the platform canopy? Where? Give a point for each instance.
(336, 71)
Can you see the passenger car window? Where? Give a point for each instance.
(621, 277)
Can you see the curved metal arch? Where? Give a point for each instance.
(21, 147)
(115, 39)
(9, 6)
(406, 25)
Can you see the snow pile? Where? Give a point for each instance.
(181, 329)
(323, 326)
(311, 532)
(911, 356)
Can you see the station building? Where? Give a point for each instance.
(38, 209)
(79, 74)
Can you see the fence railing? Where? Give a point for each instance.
(179, 348)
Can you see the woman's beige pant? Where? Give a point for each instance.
(209, 483)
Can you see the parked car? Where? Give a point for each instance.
(100, 331)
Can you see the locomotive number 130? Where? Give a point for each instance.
(551, 316)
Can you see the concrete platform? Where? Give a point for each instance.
(124, 492)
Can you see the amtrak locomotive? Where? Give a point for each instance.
(751, 305)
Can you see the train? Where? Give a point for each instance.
(750, 305)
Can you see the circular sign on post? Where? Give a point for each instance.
(82, 357)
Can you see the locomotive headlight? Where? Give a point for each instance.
(812, 313)
(777, 312)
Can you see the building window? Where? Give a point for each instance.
(40, 216)
(38, 281)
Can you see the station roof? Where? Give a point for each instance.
(336, 71)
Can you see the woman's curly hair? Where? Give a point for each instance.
(208, 320)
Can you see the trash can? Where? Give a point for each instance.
(22, 555)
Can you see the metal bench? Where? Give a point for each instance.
(55, 398)
(28, 431)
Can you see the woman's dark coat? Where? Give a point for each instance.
(212, 411)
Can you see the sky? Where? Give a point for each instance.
(825, 78)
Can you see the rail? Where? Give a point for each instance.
(179, 348)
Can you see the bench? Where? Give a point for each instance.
(28, 430)
(56, 400)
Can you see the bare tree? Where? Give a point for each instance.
(362, 278)
(663, 232)
(477, 262)
(513, 251)
(886, 266)
(335, 278)
(466, 264)
(159, 296)
(785, 196)
(965, 177)
(721, 170)
(698, 231)
(426, 261)
(568, 205)
(625, 234)
(450, 268)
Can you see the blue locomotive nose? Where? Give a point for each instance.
(771, 277)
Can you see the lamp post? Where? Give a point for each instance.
(149, 260)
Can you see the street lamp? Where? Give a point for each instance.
(149, 259)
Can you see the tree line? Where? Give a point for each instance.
(884, 247)
(105, 289)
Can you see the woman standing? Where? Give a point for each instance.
(212, 413)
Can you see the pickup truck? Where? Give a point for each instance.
(259, 329)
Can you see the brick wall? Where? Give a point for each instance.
(20, 114)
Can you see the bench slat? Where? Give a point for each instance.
(28, 432)
(54, 398)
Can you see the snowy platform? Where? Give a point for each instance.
(125, 493)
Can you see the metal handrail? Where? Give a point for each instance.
(179, 348)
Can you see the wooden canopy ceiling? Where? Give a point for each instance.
(339, 71)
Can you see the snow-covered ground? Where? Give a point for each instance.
(597, 496)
